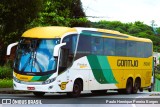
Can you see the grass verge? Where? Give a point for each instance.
(6, 83)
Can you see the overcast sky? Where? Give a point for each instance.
(123, 10)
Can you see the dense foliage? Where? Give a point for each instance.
(18, 15)
(5, 72)
(61, 13)
(14, 15)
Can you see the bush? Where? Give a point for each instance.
(4, 83)
(5, 72)
(157, 76)
(157, 69)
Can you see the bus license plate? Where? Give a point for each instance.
(31, 88)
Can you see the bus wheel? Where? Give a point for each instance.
(149, 89)
(141, 89)
(99, 91)
(39, 94)
(136, 86)
(129, 86)
(77, 88)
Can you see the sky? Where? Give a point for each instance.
(123, 10)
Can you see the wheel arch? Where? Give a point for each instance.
(80, 80)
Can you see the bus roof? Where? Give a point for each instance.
(123, 36)
(59, 31)
(47, 32)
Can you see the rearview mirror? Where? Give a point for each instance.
(57, 48)
(10, 46)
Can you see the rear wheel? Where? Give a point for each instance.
(149, 89)
(39, 94)
(129, 86)
(137, 85)
(141, 89)
(77, 88)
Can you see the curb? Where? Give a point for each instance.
(156, 94)
(6, 89)
(11, 91)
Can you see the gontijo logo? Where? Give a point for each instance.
(127, 63)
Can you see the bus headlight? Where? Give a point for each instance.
(15, 79)
(49, 81)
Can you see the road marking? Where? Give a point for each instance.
(133, 105)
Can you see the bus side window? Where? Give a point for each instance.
(109, 47)
(148, 50)
(84, 46)
(121, 48)
(97, 45)
(131, 49)
(140, 49)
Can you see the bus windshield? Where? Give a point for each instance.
(35, 56)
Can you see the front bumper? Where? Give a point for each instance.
(52, 87)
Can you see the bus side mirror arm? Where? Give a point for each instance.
(10, 46)
(57, 48)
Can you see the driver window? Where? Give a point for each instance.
(67, 51)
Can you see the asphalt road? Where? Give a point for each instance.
(110, 99)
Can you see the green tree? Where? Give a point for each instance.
(14, 15)
(61, 13)
(18, 15)
(134, 30)
(158, 31)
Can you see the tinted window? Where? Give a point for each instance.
(140, 49)
(67, 52)
(84, 46)
(131, 48)
(109, 46)
(71, 42)
(148, 49)
(121, 47)
(92, 44)
(97, 45)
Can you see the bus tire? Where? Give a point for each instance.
(137, 85)
(77, 88)
(99, 91)
(141, 89)
(39, 94)
(149, 90)
(129, 86)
